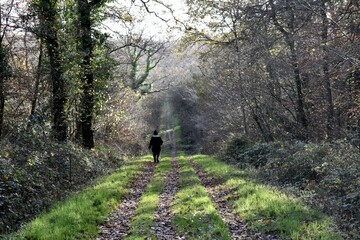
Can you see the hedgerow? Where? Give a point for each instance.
(325, 175)
(35, 173)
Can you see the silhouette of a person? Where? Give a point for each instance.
(155, 146)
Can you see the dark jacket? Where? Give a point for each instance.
(155, 143)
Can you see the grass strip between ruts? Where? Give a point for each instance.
(79, 217)
(195, 215)
(143, 220)
(269, 210)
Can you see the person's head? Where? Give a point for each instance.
(155, 132)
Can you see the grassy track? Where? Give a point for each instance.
(144, 214)
(267, 209)
(195, 215)
(80, 216)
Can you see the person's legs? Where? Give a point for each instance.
(154, 155)
(157, 156)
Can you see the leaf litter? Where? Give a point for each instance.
(163, 217)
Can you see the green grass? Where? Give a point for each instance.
(79, 217)
(267, 209)
(195, 215)
(144, 214)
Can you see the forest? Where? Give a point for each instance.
(266, 89)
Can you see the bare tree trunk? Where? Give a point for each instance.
(289, 39)
(246, 127)
(3, 67)
(325, 67)
(37, 80)
(3, 70)
(263, 127)
(299, 92)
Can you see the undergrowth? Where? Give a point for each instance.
(324, 175)
(36, 172)
(80, 215)
(266, 209)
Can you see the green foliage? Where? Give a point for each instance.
(81, 214)
(103, 66)
(101, 63)
(5, 70)
(195, 215)
(237, 147)
(142, 222)
(36, 173)
(319, 173)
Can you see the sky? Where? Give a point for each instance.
(150, 24)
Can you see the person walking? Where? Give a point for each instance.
(155, 146)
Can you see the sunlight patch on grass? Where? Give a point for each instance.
(80, 215)
(267, 209)
(195, 215)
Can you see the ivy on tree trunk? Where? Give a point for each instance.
(87, 82)
(49, 32)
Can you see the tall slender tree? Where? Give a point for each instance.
(289, 35)
(4, 61)
(49, 31)
(3, 75)
(325, 67)
(85, 7)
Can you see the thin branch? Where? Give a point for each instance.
(160, 90)
(145, 2)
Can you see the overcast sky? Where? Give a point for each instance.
(151, 24)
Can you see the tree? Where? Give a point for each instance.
(326, 73)
(289, 35)
(5, 71)
(49, 31)
(85, 8)
(289, 65)
(140, 55)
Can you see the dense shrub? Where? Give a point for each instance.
(235, 151)
(326, 175)
(36, 172)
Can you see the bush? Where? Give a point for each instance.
(326, 175)
(236, 148)
(35, 173)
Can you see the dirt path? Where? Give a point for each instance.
(117, 225)
(163, 216)
(218, 194)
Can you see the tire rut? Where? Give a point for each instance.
(163, 216)
(163, 229)
(117, 225)
(237, 226)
